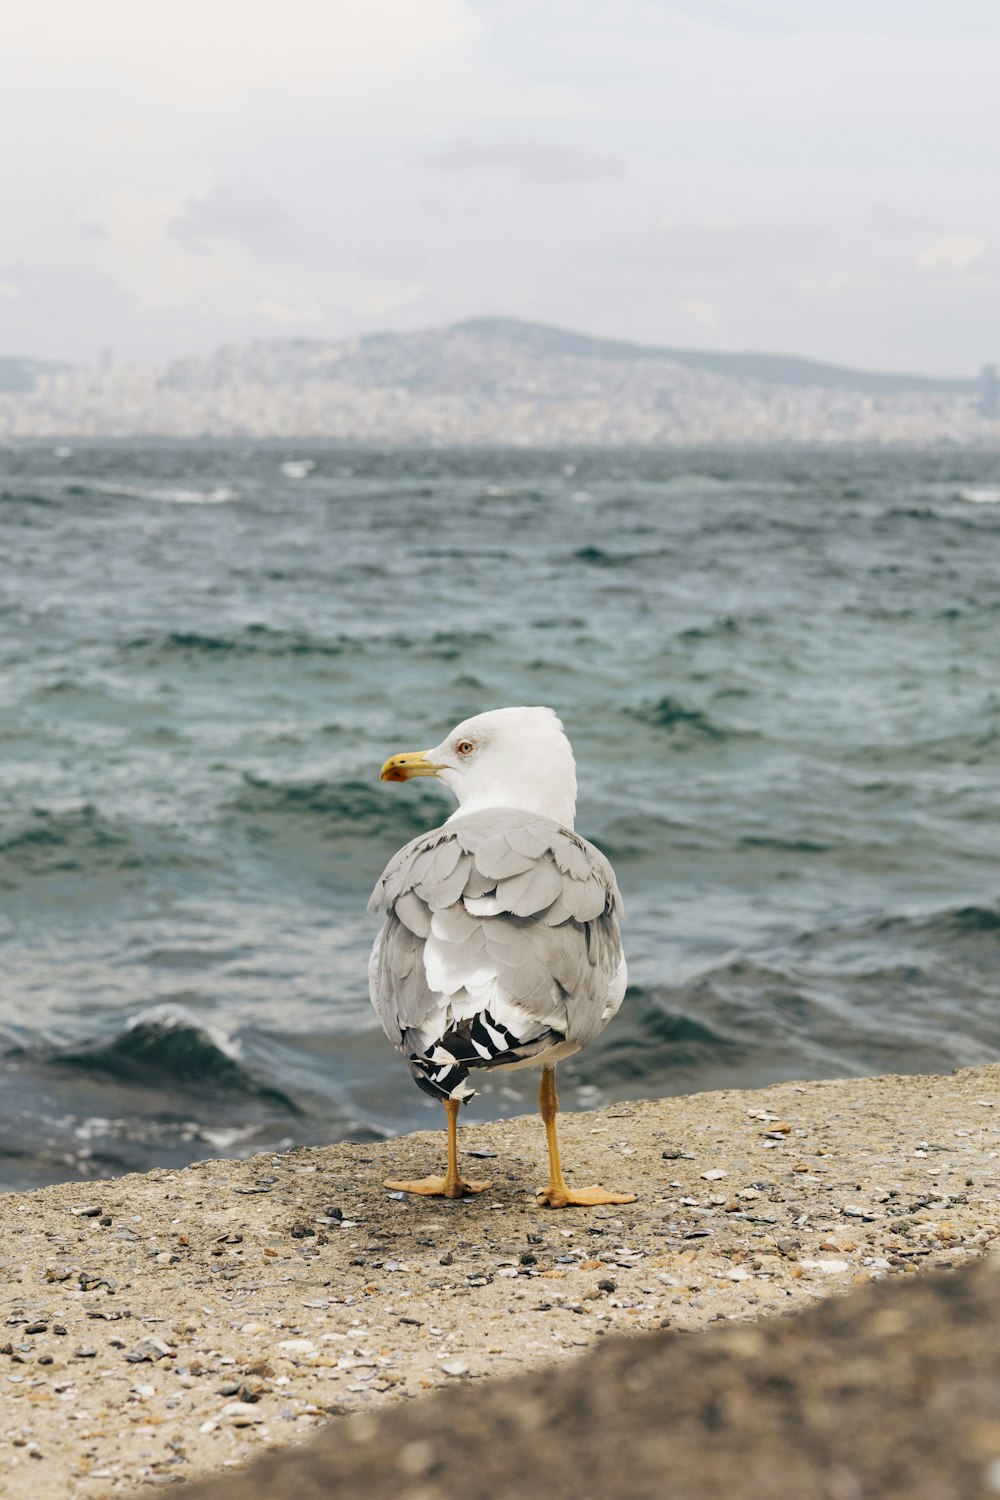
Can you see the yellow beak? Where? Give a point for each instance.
(410, 763)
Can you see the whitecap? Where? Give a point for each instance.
(985, 495)
(174, 1017)
(169, 496)
(297, 468)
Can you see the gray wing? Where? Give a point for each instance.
(501, 939)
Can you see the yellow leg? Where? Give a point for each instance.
(451, 1185)
(558, 1194)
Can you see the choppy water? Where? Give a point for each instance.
(781, 675)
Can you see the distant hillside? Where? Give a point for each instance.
(486, 356)
(498, 382)
(21, 374)
(774, 369)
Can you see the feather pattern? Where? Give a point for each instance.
(500, 946)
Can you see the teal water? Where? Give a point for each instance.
(780, 673)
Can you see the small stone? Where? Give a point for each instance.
(608, 1286)
(149, 1350)
(242, 1413)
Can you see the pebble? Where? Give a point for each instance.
(243, 1413)
(150, 1349)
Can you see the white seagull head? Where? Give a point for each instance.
(509, 757)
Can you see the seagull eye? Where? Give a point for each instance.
(465, 747)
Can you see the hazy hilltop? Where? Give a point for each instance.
(24, 374)
(483, 356)
(494, 381)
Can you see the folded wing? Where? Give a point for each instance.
(500, 947)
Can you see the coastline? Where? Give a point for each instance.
(212, 1314)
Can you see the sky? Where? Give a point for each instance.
(777, 175)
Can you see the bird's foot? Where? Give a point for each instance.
(439, 1187)
(558, 1195)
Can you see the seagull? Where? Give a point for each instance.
(501, 946)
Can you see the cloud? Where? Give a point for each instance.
(532, 161)
(239, 212)
(957, 251)
(702, 312)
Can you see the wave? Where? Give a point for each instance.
(600, 557)
(82, 840)
(950, 925)
(44, 843)
(25, 497)
(168, 1045)
(688, 726)
(351, 810)
(817, 1008)
(251, 640)
(442, 645)
(981, 495)
(653, 1035)
(168, 496)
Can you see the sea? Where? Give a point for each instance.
(780, 672)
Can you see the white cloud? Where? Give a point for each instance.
(240, 212)
(702, 312)
(956, 251)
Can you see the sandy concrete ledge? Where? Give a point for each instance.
(890, 1393)
(177, 1324)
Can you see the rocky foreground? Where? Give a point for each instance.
(178, 1325)
(892, 1393)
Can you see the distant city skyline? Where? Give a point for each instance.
(724, 175)
(498, 382)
